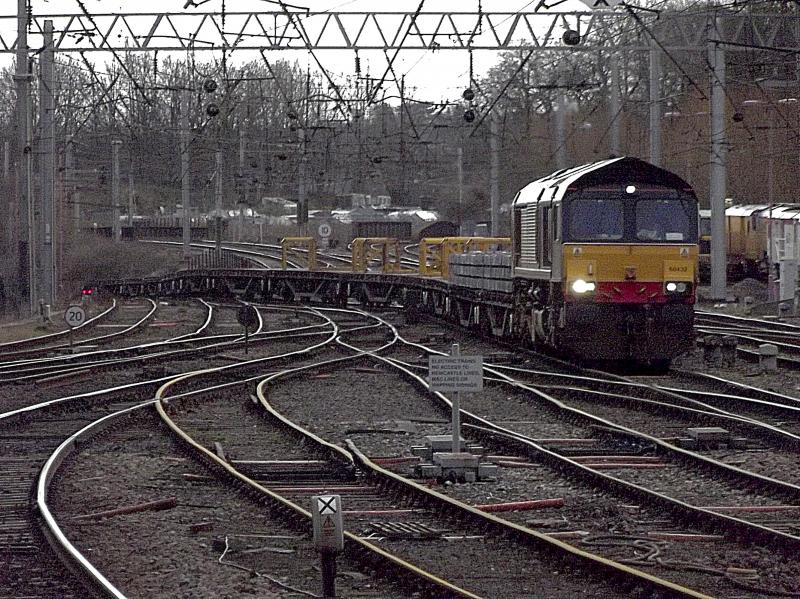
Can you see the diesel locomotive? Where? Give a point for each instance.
(604, 261)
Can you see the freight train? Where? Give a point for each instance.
(601, 265)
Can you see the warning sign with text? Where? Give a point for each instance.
(452, 374)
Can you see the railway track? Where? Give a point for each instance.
(29, 437)
(333, 431)
(126, 319)
(373, 506)
(54, 364)
(752, 332)
(615, 579)
(63, 369)
(647, 490)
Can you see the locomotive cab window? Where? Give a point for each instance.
(665, 220)
(595, 219)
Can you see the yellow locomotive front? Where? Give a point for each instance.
(630, 264)
(617, 274)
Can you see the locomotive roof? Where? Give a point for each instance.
(622, 170)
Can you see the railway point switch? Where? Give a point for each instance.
(710, 437)
(441, 463)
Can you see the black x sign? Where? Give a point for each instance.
(327, 505)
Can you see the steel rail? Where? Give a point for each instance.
(335, 449)
(69, 554)
(4, 366)
(210, 245)
(760, 322)
(122, 389)
(64, 547)
(695, 407)
(203, 327)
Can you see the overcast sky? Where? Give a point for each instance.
(428, 75)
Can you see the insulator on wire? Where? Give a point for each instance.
(358, 65)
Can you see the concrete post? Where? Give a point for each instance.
(46, 276)
(561, 128)
(455, 351)
(615, 108)
(768, 357)
(116, 230)
(718, 174)
(302, 228)
(131, 196)
(17, 225)
(186, 181)
(494, 188)
(655, 104)
(460, 174)
(218, 201)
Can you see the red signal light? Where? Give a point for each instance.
(87, 291)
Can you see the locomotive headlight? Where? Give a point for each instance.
(676, 287)
(581, 286)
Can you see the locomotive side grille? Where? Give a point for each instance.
(528, 256)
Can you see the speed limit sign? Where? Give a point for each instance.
(74, 316)
(324, 230)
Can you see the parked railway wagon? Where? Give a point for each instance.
(749, 229)
(604, 261)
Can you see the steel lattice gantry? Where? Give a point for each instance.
(285, 30)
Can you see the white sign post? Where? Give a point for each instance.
(326, 518)
(74, 316)
(787, 289)
(325, 231)
(453, 374)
